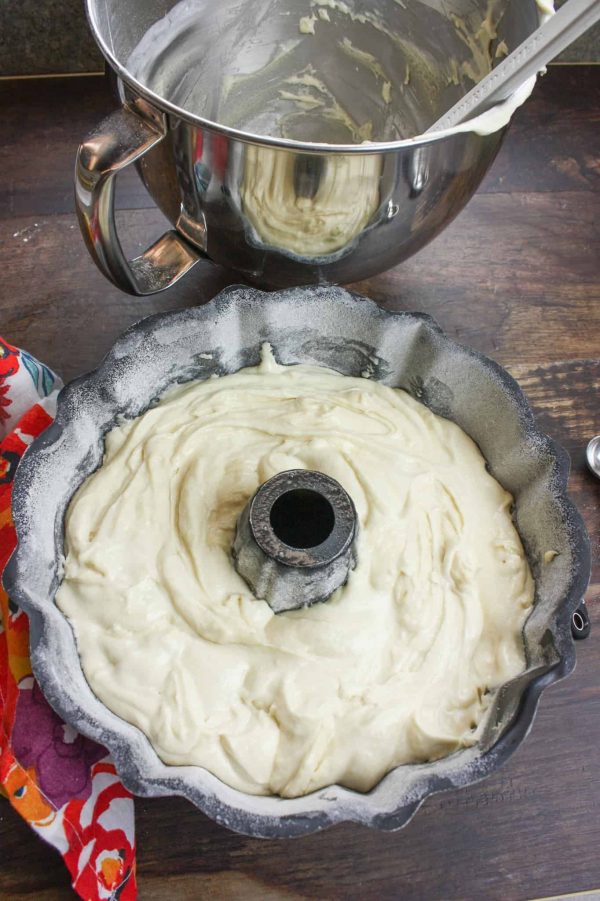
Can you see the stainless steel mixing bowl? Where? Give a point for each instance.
(323, 326)
(234, 161)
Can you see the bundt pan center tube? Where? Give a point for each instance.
(294, 541)
(327, 327)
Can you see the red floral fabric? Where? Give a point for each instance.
(64, 785)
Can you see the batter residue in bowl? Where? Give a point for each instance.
(324, 71)
(396, 667)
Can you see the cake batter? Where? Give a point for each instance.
(396, 667)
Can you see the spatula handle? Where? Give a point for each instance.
(550, 39)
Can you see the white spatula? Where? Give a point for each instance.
(550, 39)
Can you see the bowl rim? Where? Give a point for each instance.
(247, 137)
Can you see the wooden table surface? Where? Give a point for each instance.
(517, 276)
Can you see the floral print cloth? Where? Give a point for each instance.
(64, 785)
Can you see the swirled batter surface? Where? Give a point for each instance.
(396, 667)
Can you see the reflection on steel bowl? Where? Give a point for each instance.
(277, 136)
(302, 206)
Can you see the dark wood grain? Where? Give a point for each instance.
(43, 121)
(554, 143)
(517, 276)
(507, 263)
(553, 146)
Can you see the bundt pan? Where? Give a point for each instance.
(331, 327)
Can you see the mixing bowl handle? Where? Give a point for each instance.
(121, 139)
